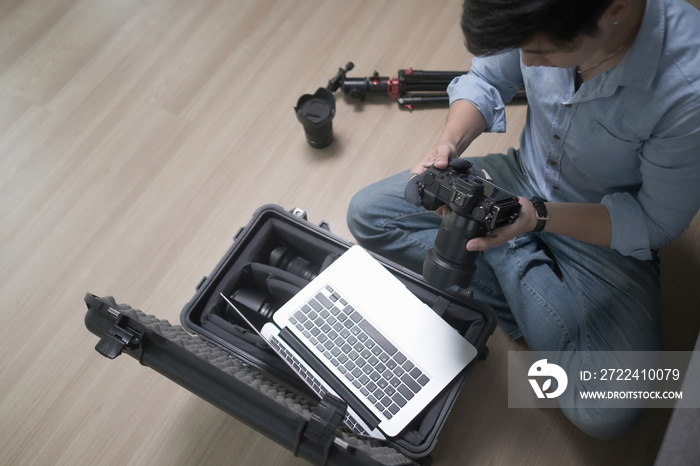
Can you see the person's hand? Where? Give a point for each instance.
(439, 156)
(526, 222)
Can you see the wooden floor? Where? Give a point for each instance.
(137, 136)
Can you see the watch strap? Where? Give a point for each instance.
(541, 211)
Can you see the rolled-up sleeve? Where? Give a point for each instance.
(490, 83)
(669, 194)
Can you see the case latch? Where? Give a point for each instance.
(326, 418)
(117, 338)
(301, 213)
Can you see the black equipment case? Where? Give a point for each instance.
(216, 356)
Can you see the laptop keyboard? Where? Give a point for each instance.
(315, 385)
(381, 372)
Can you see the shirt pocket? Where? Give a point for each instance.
(606, 157)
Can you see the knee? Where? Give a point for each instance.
(371, 207)
(603, 423)
(359, 216)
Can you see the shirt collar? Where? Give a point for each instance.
(642, 61)
(638, 68)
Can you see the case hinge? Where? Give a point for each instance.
(117, 338)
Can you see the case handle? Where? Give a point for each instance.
(120, 336)
(320, 429)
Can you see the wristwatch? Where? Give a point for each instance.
(541, 211)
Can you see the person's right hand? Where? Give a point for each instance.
(440, 155)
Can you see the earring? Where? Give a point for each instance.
(615, 23)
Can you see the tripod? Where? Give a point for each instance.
(410, 88)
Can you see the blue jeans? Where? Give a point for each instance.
(558, 293)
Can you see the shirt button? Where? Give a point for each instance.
(556, 136)
(553, 163)
(568, 105)
(555, 187)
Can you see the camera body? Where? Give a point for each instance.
(477, 207)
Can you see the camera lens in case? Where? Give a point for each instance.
(254, 300)
(285, 259)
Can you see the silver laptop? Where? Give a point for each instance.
(357, 332)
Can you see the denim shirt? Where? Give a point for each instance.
(629, 138)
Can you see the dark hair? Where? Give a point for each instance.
(492, 26)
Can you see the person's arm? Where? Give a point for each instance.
(476, 105)
(589, 223)
(464, 123)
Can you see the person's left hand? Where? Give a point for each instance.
(525, 223)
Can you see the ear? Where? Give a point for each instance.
(618, 11)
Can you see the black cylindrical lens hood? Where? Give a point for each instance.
(443, 274)
(449, 263)
(315, 112)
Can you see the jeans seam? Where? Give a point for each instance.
(550, 309)
(485, 287)
(584, 311)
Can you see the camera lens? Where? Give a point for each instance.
(255, 301)
(315, 112)
(283, 258)
(449, 263)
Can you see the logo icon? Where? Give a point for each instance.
(542, 368)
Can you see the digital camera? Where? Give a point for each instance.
(477, 207)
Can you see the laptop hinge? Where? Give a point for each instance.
(117, 338)
(325, 419)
